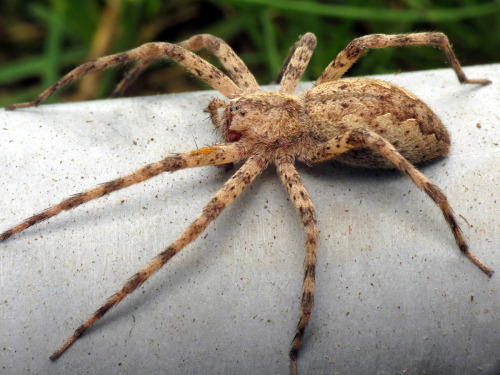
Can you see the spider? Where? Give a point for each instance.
(357, 121)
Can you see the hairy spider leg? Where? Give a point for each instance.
(216, 155)
(296, 63)
(354, 50)
(226, 55)
(223, 198)
(130, 76)
(218, 47)
(363, 138)
(192, 62)
(300, 198)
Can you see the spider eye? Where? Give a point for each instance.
(237, 108)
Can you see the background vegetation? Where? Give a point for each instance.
(42, 39)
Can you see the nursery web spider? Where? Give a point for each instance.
(358, 121)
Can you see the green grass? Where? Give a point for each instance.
(41, 40)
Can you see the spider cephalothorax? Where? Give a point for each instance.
(362, 122)
(270, 119)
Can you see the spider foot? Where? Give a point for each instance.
(487, 270)
(479, 81)
(11, 107)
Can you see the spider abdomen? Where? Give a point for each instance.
(378, 106)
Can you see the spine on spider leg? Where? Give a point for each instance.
(440, 199)
(91, 66)
(132, 284)
(386, 149)
(302, 202)
(437, 195)
(77, 200)
(217, 155)
(224, 197)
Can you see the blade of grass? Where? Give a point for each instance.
(53, 43)
(271, 46)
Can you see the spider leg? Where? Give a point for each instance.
(223, 198)
(215, 155)
(354, 50)
(300, 198)
(195, 64)
(362, 138)
(130, 76)
(233, 64)
(213, 107)
(296, 63)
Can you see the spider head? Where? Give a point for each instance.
(268, 118)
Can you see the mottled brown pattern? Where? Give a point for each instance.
(147, 52)
(130, 76)
(362, 122)
(296, 63)
(220, 49)
(222, 199)
(295, 188)
(218, 155)
(359, 46)
(384, 108)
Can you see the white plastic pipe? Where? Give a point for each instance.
(394, 294)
